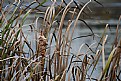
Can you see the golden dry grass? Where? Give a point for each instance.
(51, 58)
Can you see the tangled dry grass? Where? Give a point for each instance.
(45, 61)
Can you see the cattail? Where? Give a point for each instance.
(42, 43)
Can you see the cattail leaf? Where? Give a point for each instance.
(107, 64)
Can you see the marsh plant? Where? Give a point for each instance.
(51, 58)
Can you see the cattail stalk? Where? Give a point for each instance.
(42, 43)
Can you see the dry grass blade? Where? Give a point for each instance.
(103, 34)
(107, 64)
(117, 34)
(103, 50)
(84, 66)
(115, 63)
